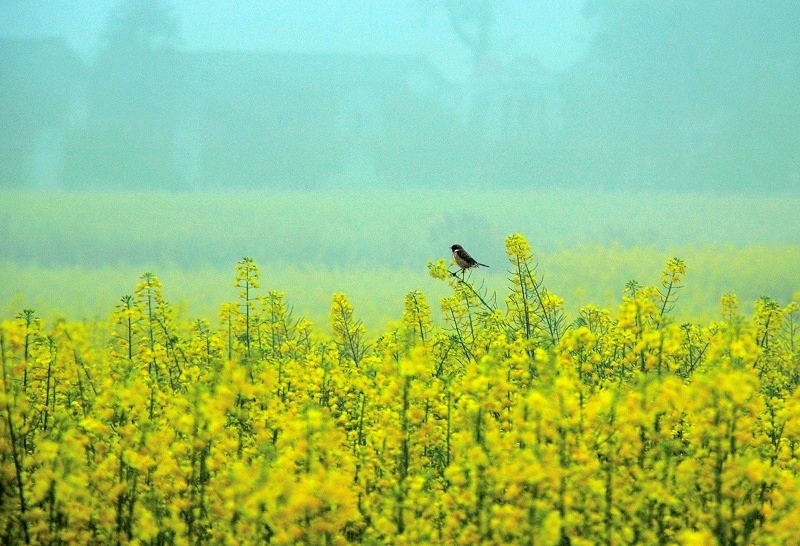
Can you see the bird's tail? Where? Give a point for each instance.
(484, 265)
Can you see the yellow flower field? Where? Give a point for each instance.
(504, 422)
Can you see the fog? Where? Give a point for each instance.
(143, 94)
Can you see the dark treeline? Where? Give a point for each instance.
(686, 96)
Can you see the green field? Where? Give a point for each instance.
(73, 253)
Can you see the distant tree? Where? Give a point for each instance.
(140, 26)
(136, 100)
(472, 21)
(135, 66)
(508, 55)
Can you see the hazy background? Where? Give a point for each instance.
(342, 144)
(480, 93)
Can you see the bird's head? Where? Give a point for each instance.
(456, 247)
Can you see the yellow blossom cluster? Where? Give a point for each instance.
(506, 424)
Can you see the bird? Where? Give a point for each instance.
(463, 259)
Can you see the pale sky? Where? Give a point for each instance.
(555, 32)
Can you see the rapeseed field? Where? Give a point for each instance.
(505, 421)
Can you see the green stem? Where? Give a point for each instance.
(16, 456)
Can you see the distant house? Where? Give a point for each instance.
(530, 111)
(42, 84)
(170, 119)
(265, 119)
(203, 120)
